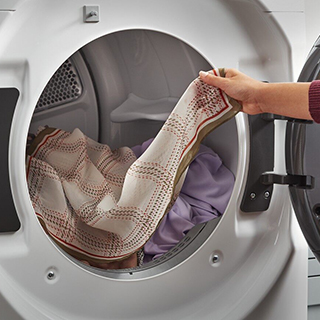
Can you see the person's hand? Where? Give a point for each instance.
(239, 87)
(288, 99)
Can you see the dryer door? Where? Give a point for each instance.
(303, 154)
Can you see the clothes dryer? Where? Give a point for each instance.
(142, 53)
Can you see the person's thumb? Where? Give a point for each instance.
(212, 79)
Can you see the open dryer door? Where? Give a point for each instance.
(303, 154)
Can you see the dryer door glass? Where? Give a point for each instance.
(303, 153)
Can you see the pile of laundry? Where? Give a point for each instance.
(103, 206)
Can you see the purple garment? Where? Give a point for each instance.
(204, 196)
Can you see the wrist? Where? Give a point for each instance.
(261, 93)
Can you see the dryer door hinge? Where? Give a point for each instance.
(298, 181)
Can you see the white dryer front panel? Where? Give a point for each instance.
(37, 37)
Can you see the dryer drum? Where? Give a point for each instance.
(80, 65)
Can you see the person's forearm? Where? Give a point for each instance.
(288, 99)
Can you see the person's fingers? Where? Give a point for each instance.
(213, 80)
(229, 73)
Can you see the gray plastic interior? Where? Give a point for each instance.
(131, 81)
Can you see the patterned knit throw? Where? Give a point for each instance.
(102, 205)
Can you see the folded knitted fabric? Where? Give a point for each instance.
(102, 205)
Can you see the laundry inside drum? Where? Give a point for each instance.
(118, 91)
